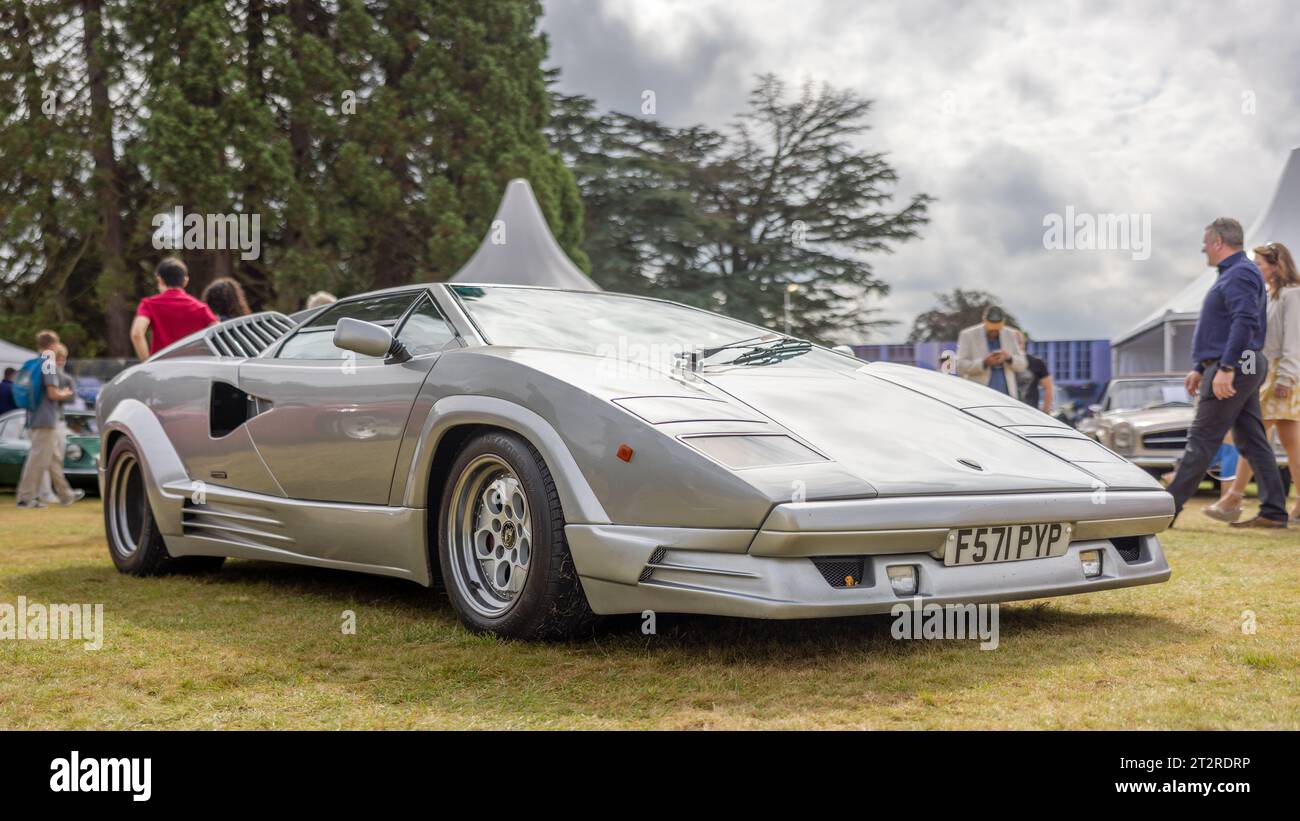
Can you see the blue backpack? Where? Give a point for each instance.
(29, 384)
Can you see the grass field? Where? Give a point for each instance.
(260, 646)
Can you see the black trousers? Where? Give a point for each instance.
(1241, 414)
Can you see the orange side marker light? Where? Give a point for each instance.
(625, 453)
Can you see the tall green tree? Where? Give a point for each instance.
(60, 188)
(372, 138)
(731, 219)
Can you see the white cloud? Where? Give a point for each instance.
(1001, 112)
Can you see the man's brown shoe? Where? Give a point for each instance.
(1259, 521)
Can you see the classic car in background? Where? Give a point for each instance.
(80, 461)
(553, 454)
(1145, 419)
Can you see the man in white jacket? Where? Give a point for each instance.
(989, 353)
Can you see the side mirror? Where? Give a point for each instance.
(368, 339)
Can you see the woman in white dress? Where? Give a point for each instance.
(1279, 396)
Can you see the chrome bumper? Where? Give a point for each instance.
(774, 572)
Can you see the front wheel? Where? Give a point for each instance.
(501, 546)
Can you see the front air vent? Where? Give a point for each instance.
(248, 336)
(1166, 440)
(843, 572)
(655, 558)
(1129, 548)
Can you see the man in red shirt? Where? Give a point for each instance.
(171, 315)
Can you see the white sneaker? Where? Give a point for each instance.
(77, 495)
(1223, 512)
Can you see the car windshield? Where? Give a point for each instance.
(81, 424)
(1147, 393)
(626, 327)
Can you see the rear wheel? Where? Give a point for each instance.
(134, 541)
(505, 562)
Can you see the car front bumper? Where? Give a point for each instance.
(784, 573)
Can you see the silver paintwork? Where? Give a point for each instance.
(339, 467)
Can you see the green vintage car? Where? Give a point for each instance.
(79, 460)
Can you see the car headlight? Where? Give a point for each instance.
(747, 450)
(1122, 437)
(73, 453)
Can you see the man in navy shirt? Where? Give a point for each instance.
(1227, 372)
(7, 391)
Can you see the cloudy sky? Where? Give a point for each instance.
(1176, 110)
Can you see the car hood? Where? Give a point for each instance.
(907, 433)
(1152, 417)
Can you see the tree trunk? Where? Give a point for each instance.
(114, 282)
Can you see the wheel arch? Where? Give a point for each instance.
(454, 420)
(133, 420)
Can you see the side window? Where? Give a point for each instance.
(13, 429)
(381, 309)
(315, 344)
(425, 330)
(315, 340)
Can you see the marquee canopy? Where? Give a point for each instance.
(520, 250)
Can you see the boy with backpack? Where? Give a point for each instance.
(41, 388)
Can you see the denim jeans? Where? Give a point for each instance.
(1241, 414)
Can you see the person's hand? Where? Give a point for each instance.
(994, 358)
(1281, 391)
(1192, 382)
(1222, 385)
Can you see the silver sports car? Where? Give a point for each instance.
(550, 455)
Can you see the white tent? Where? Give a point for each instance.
(520, 250)
(1163, 340)
(11, 356)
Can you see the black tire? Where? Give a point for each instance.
(196, 565)
(134, 541)
(552, 604)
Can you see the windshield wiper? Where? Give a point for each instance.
(760, 350)
(774, 354)
(751, 344)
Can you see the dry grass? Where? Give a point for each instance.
(260, 646)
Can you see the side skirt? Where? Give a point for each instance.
(377, 539)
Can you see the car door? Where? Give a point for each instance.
(13, 448)
(330, 422)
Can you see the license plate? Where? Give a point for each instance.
(1006, 543)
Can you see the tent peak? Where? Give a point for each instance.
(519, 248)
